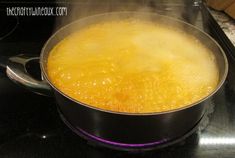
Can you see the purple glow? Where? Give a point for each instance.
(121, 144)
(81, 132)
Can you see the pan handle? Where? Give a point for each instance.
(17, 72)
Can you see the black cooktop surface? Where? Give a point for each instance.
(30, 126)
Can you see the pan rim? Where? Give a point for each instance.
(46, 78)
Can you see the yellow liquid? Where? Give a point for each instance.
(132, 66)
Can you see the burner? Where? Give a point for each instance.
(99, 142)
(8, 24)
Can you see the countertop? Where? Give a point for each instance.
(226, 23)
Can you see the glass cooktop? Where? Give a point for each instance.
(30, 126)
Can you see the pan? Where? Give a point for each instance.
(122, 130)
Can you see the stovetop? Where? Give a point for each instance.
(30, 126)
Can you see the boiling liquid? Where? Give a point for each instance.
(132, 66)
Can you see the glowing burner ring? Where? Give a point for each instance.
(122, 144)
(97, 141)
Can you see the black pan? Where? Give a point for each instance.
(124, 130)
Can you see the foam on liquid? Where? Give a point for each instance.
(132, 66)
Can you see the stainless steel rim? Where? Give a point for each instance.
(44, 73)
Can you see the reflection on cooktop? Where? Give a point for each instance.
(8, 24)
